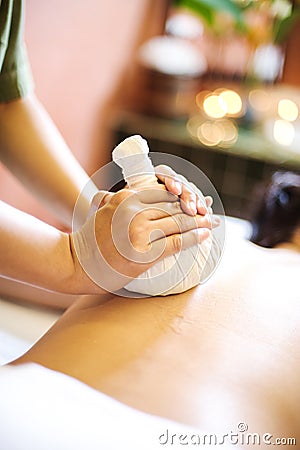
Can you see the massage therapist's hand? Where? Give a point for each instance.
(191, 199)
(129, 233)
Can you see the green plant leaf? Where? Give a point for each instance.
(199, 8)
(283, 27)
(207, 8)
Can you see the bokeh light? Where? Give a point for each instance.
(200, 97)
(210, 133)
(232, 101)
(193, 124)
(283, 132)
(214, 125)
(259, 100)
(230, 132)
(214, 106)
(220, 103)
(220, 132)
(288, 110)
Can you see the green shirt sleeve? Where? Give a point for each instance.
(15, 75)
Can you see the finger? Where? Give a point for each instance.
(167, 176)
(192, 198)
(100, 199)
(161, 210)
(181, 223)
(153, 195)
(201, 207)
(188, 201)
(169, 219)
(163, 171)
(178, 185)
(178, 242)
(192, 201)
(208, 201)
(173, 185)
(215, 220)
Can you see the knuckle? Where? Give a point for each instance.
(175, 208)
(176, 242)
(138, 234)
(204, 222)
(163, 169)
(170, 210)
(185, 222)
(122, 195)
(180, 220)
(182, 179)
(191, 196)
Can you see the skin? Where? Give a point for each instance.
(43, 256)
(220, 354)
(214, 356)
(35, 152)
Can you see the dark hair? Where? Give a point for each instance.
(277, 212)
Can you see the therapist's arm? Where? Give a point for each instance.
(39, 254)
(35, 152)
(35, 252)
(33, 149)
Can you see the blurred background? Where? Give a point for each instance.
(216, 82)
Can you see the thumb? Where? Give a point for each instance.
(98, 200)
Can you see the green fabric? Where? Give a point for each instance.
(15, 74)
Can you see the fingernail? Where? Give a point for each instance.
(201, 208)
(200, 203)
(216, 220)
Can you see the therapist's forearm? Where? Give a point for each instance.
(35, 152)
(39, 254)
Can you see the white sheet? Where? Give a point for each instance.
(21, 326)
(41, 409)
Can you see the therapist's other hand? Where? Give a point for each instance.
(192, 200)
(129, 233)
